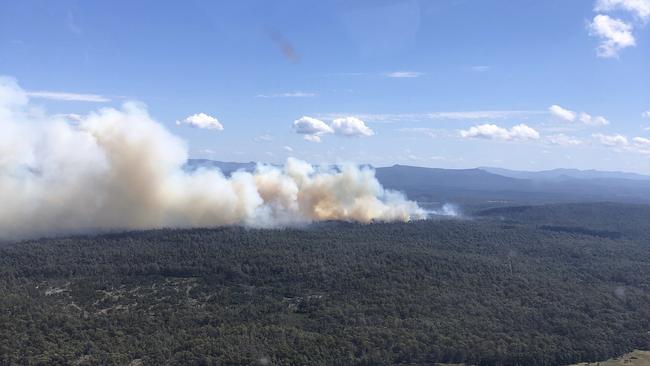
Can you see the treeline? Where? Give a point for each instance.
(479, 292)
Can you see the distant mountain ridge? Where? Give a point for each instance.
(415, 177)
(562, 173)
(493, 185)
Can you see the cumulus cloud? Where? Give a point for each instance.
(615, 35)
(202, 120)
(494, 132)
(523, 132)
(640, 8)
(404, 74)
(563, 140)
(351, 127)
(68, 97)
(593, 120)
(571, 116)
(621, 143)
(120, 169)
(562, 113)
(313, 128)
(640, 145)
(615, 140)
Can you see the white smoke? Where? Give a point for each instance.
(119, 169)
(448, 209)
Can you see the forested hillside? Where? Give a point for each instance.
(494, 290)
(618, 219)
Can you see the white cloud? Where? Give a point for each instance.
(68, 97)
(487, 131)
(562, 113)
(202, 120)
(570, 116)
(593, 120)
(646, 114)
(494, 132)
(614, 34)
(523, 132)
(611, 140)
(640, 8)
(563, 140)
(295, 94)
(288, 148)
(404, 74)
(640, 145)
(313, 128)
(351, 127)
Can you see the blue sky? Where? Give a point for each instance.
(518, 84)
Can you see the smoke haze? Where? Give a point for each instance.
(119, 169)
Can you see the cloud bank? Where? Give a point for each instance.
(119, 169)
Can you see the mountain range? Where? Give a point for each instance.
(488, 186)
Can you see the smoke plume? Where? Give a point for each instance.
(447, 210)
(119, 169)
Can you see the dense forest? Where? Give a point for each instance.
(530, 285)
